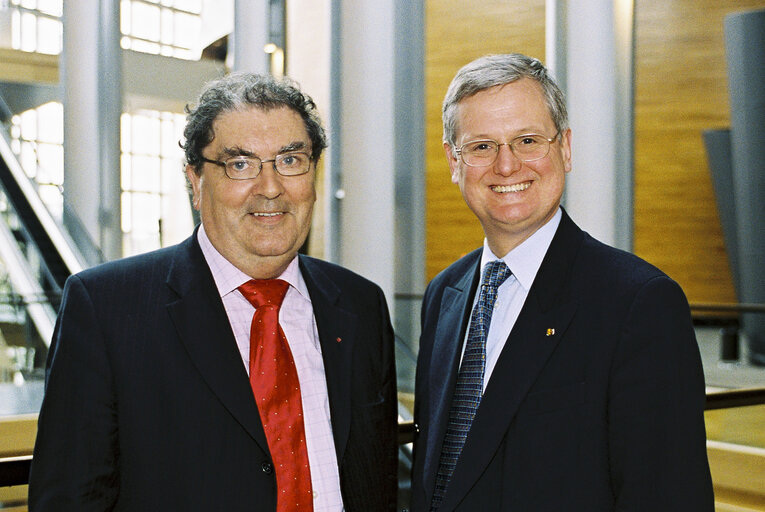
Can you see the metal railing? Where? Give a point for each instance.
(728, 399)
(15, 470)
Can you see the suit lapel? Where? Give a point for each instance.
(204, 329)
(338, 330)
(526, 351)
(523, 357)
(453, 316)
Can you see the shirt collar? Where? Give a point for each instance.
(228, 277)
(524, 261)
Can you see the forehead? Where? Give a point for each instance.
(255, 128)
(514, 108)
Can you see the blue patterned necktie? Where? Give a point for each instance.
(469, 389)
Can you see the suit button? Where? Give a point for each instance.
(416, 428)
(267, 468)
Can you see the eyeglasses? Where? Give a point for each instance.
(248, 167)
(527, 148)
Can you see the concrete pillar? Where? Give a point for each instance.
(250, 35)
(376, 174)
(92, 83)
(745, 52)
(409, 171)
(366, 44)
(595, 68)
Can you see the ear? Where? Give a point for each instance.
(453, 161)
(565, 144)
(194, 182)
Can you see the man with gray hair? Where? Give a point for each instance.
(555, 373)
(227, 372)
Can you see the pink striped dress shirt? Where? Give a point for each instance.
(299, 325)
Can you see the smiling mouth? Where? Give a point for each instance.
(519, 187)
(267, 214)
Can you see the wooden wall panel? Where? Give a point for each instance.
(680, 90)
(456, 32)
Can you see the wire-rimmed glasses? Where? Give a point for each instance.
(527, 148)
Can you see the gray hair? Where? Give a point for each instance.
(492, 70)
(238, 91)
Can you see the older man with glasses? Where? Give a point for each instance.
(228, 372)
(555, 373)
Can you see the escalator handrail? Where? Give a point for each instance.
(42, 314)
(65, 247)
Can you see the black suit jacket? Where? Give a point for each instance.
(605, 414)
(148, 405)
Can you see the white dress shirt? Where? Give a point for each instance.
(524, 262)
(299, 326)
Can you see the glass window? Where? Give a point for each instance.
(38, 140)
(166, 27)
(36, 25)
(49, 35)
(156, 210)
(169, 28)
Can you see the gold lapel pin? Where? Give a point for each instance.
(550, 332)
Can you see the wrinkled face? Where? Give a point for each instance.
(512, 199)
(261, 222)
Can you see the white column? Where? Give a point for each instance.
(250, 35)
(92, 83)
(598, 77)
(365, 131)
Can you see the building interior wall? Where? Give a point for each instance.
(456, 32)
(680, 90)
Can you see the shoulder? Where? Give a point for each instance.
(586, 269)
(614, 280)
(602, 263)
(457, 270)
(322, 273)
(461, 274)
(592, 261)
(141, 268)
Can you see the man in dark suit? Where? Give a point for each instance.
(555, 373)
(148, 402)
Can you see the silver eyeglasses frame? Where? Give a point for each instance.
(278, 163)
(513, 145)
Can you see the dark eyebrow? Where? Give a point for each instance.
(239, 151)
(235, 151)
(293, 146)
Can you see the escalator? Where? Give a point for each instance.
(33, 228)
(36, 257)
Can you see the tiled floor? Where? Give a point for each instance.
(24, 399)
(724, 374)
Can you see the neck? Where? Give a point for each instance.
(500, 245)
(265, 267)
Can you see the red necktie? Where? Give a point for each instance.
(274, 382)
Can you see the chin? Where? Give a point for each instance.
(275, 249)
(271, 253)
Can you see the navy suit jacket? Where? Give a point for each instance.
(605, 414)
(149, 407)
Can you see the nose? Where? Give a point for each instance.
(269, 182)
(507, 163)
